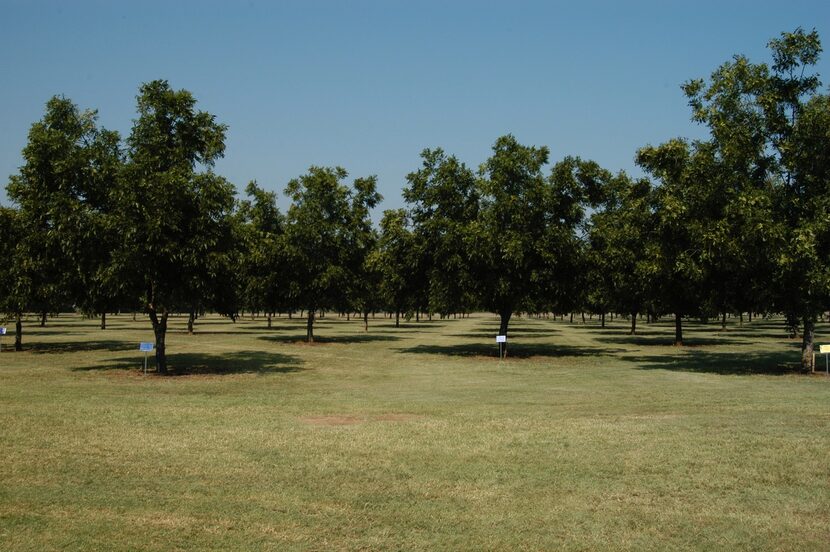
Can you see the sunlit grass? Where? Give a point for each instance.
(412, 438)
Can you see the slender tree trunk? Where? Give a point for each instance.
(572, 318)
(160, 331)
(417, 315)
(190, 319)
(750, 317)
(309, 328)
(741, 324)
(678, 329)
(583, 317)
(104, 320)
(504, 321)
(18, 332)
(43, 319)
(807, 343)
(723, 321)
(633, 324)
(603, 319)
(397, 319)
(365, 321)
(270, 315)
(133, 316)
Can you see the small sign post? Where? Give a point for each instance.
(2, 333)
(146, 347)
(501, 340)
(825, 350)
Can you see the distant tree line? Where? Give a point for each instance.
(736, 223)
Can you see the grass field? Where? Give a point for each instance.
(415, 438)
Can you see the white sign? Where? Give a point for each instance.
(2, 331)
(824, 349)
(146, 347)
(501, 339)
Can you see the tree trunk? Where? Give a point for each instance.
(397, 319)
(807, 343)
(750, 317)
(633, 324)
(43, 319)
(309, 328)
(103, 320)
(503, 323)
(742, 320)
(572, 318)
(603, 319)
(18, 332)
(583, 317)
(190, 318)
(269, 320)
(678, 329)
(723, 321)
(160, 331)
(365, 321)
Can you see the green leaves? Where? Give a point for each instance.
(179, 244)
(328, 236)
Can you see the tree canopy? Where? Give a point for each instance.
(733, 222)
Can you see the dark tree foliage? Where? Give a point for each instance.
(326, 237)
(522, 243)
(769, 138)
(443, 200)
(174, 216)
(395, 258)
(264, 268)
(62, 192)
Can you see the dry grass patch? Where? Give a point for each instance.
(414, 439)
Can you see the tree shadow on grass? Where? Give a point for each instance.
(325, 339)
(667, 339)
(188, 364)
(40, 348)
(411, 325)
(514, 350)
(519, 332)
(757, 333)
(29, 333)
(775, 363)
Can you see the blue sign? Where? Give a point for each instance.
(2, 331)
(146, 347)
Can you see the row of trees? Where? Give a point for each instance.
(735, 223)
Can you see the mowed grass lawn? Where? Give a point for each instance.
(415, 438)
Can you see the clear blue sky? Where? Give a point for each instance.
(368, 84)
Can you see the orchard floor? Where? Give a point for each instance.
(412, 438)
